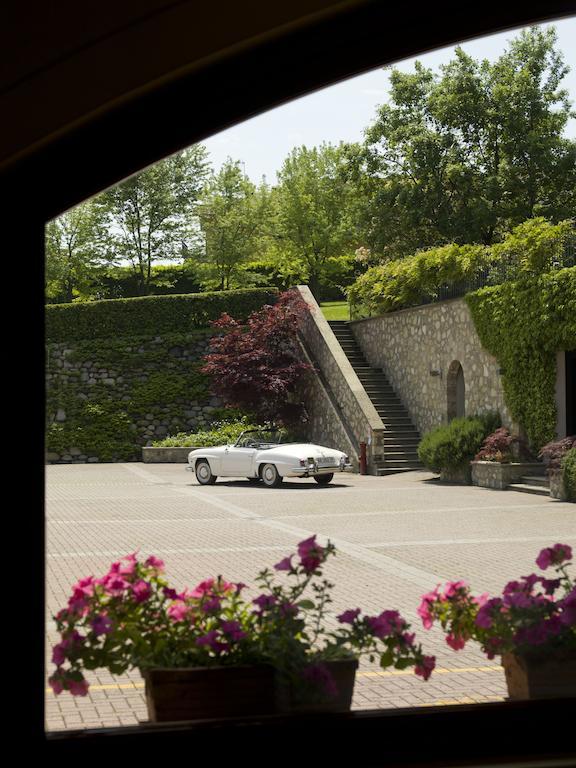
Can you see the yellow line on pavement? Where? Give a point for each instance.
(381, 673)
(439, 671)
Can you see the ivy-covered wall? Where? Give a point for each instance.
(122, 373)
(523, 324)
(107, 398)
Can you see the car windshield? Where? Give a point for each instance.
(262, 438)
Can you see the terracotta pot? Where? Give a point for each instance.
(200, 693)
(343, 674)
(546, 678)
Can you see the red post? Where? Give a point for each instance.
(363, 461)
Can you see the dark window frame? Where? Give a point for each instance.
(38, 188)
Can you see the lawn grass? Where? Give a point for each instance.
(335, 310)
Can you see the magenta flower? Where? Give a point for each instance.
(348, 617)
(233, 630)
(264, 602)
(284, 565)
(178, 611)
(212, 605)
(484, 616)
(555, 555)
(155, 562)
(455, 642)
(78, 687)
(101, 625)
(426, 667)
(311, 554)
(170, 593)
(142, 591)
(425, 607)
(453, 587)
(387, 623)
(59, 654)
(55, 682)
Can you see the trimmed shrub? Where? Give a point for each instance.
(569, 471)
(150, 315)
(454, 445)
(220, 433)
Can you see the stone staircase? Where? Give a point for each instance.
(401, 440)
(537, 484)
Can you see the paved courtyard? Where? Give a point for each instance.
(396, 537)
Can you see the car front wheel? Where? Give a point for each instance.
(324, 479)
(204, 473)
(270, 476)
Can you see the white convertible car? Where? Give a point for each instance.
(260, 455)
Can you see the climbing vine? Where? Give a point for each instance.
(523, 324)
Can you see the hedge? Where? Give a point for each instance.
(150, 315)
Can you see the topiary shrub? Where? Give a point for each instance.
(451, 447)
(568, 465)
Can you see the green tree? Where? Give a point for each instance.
(466, 155)
(151, 216)
(232, 214)
(75, 250)
(312, 222)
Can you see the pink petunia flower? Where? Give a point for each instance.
(555, 555)
(348, 617)
(78, 687)
(426, 667)
(101, 625)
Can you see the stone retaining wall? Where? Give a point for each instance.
(420, 348)
(349, 398)
(117, 373)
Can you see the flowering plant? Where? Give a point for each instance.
(501, 446)
(553, 453)
(534, 616)
(132, 618)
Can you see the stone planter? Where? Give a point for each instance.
(547, 678)
(152, 455)
(557, 487)
(460, 475)
(493, 474)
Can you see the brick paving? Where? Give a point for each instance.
(396, 536)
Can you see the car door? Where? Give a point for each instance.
(238, 461)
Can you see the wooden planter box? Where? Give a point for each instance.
(546, 678)
(152, 455)
(200, 693)
(493, 474)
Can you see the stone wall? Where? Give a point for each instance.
(350, 401)
(106, 400)
(420, 348)
(325, 425)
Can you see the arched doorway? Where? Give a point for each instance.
(456, 391)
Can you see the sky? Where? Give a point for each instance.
(342, 112)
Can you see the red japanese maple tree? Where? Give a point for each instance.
(258, 365)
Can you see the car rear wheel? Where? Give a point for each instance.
(204, 473)
(324, 479)
(270, 476)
